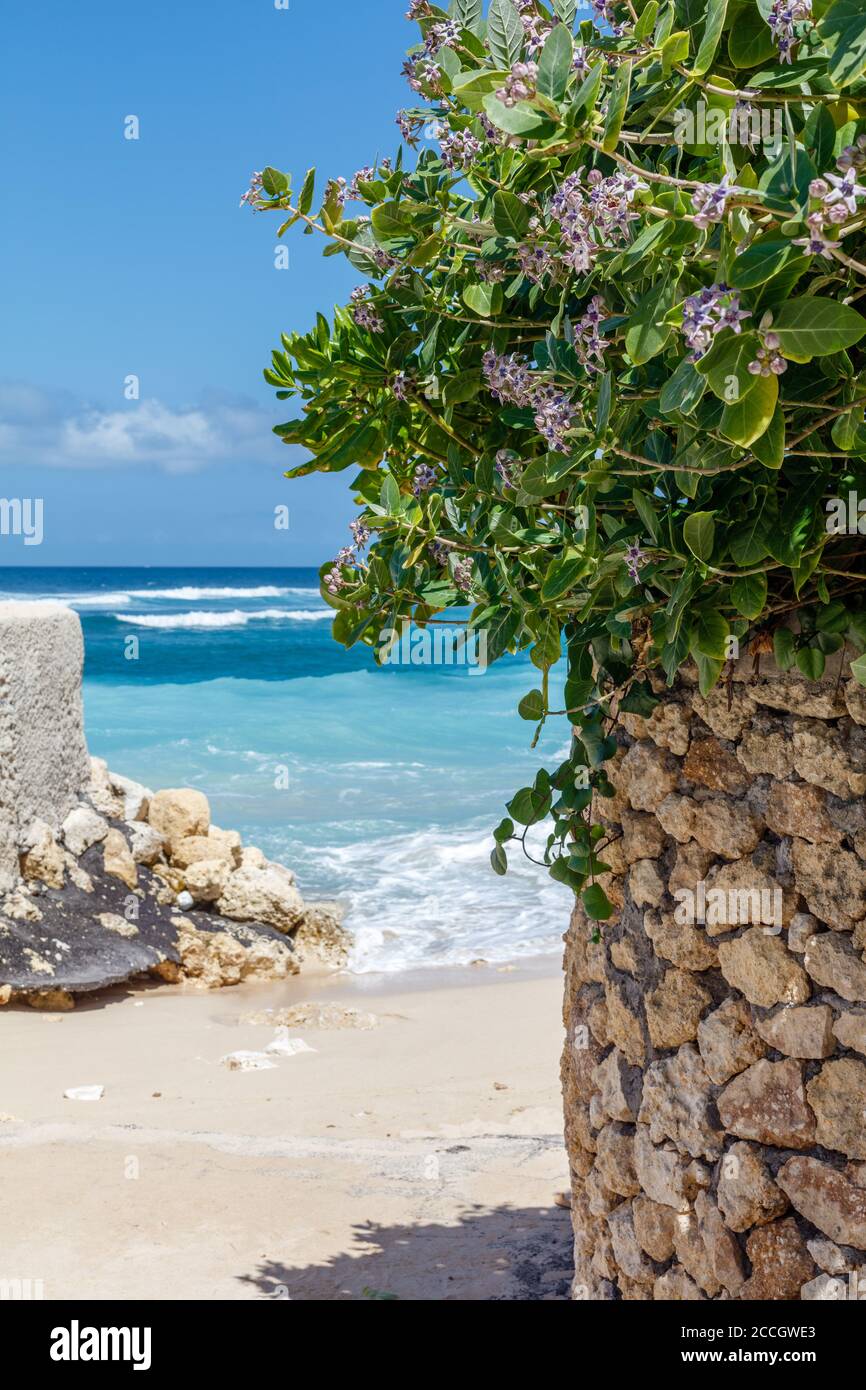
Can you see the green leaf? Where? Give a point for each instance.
(274, 183)
(769, 449)
(750, 40)
(683, 390)
(597, 905)
(647, 332)
(709, 670)
(463, 386)
(391, 227)
(511, 217)
(699, 534)
(468, 13)
(709, 634)
(716, 12)
(554, 65)
(811, 662)
(726, 365)
(483, 300)
(529, 806)
(566, 10)
(749, 594)
(305, 198)
(645, 510)
(819, 135)
(844, 27)
(858, 669)
(646, 23)
(503, 831)
(504, 33)
(783, 648)
(746, 420)
(499, 860)
(812, 327)
(563, 574)
(760, 261)
(390, 496)
(531, 707)
(616, 107)
(517, 120)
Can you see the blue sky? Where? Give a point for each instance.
(131, 257)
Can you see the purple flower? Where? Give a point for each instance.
(710, 202)
(462, 573)
(783, 18)
(846, 190)
(425, 477)
(520, 84)
(400, 386)
(634, 558)
(439, 552)
(254, 191)
(705, 314)
(459, 148)
(363, 313)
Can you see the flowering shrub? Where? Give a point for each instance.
(602, 381)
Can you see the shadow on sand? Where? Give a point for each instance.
(504, 1254)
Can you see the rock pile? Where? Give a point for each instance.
(100, 878)
(715, 1062)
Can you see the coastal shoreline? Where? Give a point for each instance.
(419, 1158)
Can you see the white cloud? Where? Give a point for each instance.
(43, 429)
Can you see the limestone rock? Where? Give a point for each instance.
(177, 814)
(711, 765)
(620, 1087)
(838, 1097)
(193, 848)
(678, 1105)
(763, 969)
(83, 828)
(260, 895)
(230, 840)
(767, 747)
(829, 1257)
(746, 1193)
(801, 927)
(743, 893)
(107, 799)
(727, 718)
(646, 885)
(647, 774)
(674, 1009)
(800, 810)
(216, 959)
(615, 1159)
(685, 946)
(642, 837)
(675, 1286)
(654, 1226)
(145, 843)
(41, 857)
(833, 882)
(728, 1042)
(722, 826)
(781, 1264)
(830, 961)
(664, 1175)
(117, 859)
(690, 867)
(624, 1023)
(768, 1103)
(850, 1029)
(692, 1253)
(834, 759)
(827, 1198)
(787, 692)
(135, 797)
(626, 1249)
(825, 1288)
(206, 879)
(723, 1253)
(321, 935)
(799, 1032)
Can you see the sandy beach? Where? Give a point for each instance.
(416, 1159)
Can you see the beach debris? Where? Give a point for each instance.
(84, 1093)
(185, 901)
(247, 1061)
(284, 1046)
(328, 1016)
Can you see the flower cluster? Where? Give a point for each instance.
(594, 215)
(707, 313)
(442, 35)
(588, 343)
(420, 72)
(400, 386)
(254, 191)
(535, 32)
(536, 261)
(463, 575)
(335, 580)
(490, 272)
(459, 148)
(710, 202)
(363, 312)
(853, 156)
(769, 361)
(604, 13)
(783, 18)
(439, 553)
(410, 123)
(510, 381)
(519, 85)
(581, 62)
(634, 558)
(837, 196)
(425, 477)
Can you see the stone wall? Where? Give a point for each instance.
(43, 754)
(714, 1070)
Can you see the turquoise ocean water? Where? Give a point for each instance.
(395, 776)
